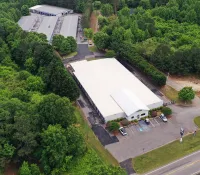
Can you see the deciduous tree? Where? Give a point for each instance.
(186, 94)
(24, 10)
(88, 33)
(54, 149)
(55, 110)
(107, 10)
(101, 40)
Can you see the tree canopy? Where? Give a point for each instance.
(38, 128)
(163, 34)
(186, 94)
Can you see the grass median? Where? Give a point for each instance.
(197, 121)
(93, 142)
(166, 154)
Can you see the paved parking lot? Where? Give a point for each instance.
(142, 138)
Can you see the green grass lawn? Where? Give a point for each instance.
(197, 121)
(93, 49)
(170, 92)
(70, 55)
(166, 154)
(93, 142)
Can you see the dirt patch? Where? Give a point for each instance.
(192, 81)
(94, 21)
(11, 170)
(198, 94)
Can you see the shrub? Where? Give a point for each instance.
(166, 111)
(125, 122)
(136, 121)
(110, 54)
(113, 126)
(116, 120)
(153, 113)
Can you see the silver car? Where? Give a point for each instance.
(164, 119)
(122, 131)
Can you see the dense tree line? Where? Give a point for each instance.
(31, 122)
(38, 123)
(162, 33)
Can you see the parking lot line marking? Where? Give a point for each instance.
(132, 131)
(157, 122)
(152, 124)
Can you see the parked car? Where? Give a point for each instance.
(122, 131)
(164, 119)
(147, 121)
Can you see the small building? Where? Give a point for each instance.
(113, 91)
(50, 10)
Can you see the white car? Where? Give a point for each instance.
(122, 131)
(164, 119)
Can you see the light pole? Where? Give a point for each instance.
(181, 132)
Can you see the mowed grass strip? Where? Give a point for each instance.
(166, 154)
(93, 142)
(170, 92)
(197, 121)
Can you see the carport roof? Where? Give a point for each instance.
(128, 101)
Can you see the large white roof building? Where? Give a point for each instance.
(27, 22)
(50, 10)
(114, 91)
(69, 26)
(47, 26)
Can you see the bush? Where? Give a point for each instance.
(125, 122)
(153, 113)
(113, 126)
(117, 120)
(135, 121)
(166, 111)
(110, 54)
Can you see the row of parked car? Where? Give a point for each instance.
(122, 130)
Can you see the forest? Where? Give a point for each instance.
(157, 36)
(40, 131)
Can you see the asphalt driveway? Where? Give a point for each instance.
(103, 135)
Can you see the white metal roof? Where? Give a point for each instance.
(50, 9)
(47, 26)
(27, 22)
(128, 101)
(35, 7)
(103, 77)
(69, 26)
